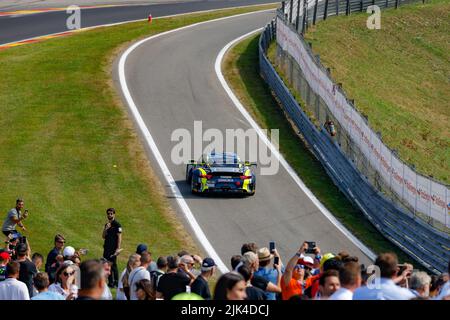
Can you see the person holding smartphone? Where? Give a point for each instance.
(112, 234)
(15, 217)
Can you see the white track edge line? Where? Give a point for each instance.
(218, 68)
(151, 143)
(137, 20)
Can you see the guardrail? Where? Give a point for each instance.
(326, 100)
(431, 248)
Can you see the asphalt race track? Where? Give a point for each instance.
(16, 28)
(173, 83)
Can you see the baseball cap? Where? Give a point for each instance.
(207, 264)
(326, 256)
(68, 251)
(141, 248)
(307, 261)
(4, 255)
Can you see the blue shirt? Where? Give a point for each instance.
(48, 295)
(386, 289)
(271, 275)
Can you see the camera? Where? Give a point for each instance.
(311, 246)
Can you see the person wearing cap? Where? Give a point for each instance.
(200, 285)
(271, 274)
(112, 234)
(27, 268)
(69, 253)
(50, 264)
(11, 288)
(4, 259)
(141, 248)
(14, 217)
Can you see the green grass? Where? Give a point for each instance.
(399, 77)
(240, 68)
(69, 149)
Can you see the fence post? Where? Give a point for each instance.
(387, 3)
(337, 7)
(305, 21)
(361, 4)
(283, 6)
(347, 8)
(315, 11)
(290, 10)
(298, 15)
(325, 12)
(373, 2)
(396, 4)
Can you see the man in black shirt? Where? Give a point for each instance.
(27, 268)
(112, 234)
(51, 265)
(200, 285)
(171, 283)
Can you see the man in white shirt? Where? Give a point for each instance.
(107, 295)
(445, 291)
(350, 278)
(385, 288)
(139, 273)
(11, 288)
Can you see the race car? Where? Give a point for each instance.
(221, 172)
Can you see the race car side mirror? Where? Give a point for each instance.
(248, 164)
(191, 162)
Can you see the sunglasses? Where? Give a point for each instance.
(60, 241)
(68, 274)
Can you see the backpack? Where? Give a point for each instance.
(154, 278)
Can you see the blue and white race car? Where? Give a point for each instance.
(221, 172)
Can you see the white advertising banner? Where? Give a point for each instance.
(421, 193)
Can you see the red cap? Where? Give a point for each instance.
(5, 255)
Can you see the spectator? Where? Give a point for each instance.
(437, 282)
(139, 273)
(246, 247)
(106, 273)
(253, 293)
(27, 268)
(419, 283)
(186, 267)
(112, 234)
(41, 283)
(230, 286)
(38, 260)
(69, 255)
(200, 285)
(329, 283)
(292, 279)
(14, 217)
(172, 282)
(65, 282)
(51, 265)
(350, 279)
(386, 289)
(235, 261)
(156, 275)
(312, 283)
(11, 288)
(445, 291)
(252, 261)
(4, 259)
(92, 280)
(141, 248)
(14, 240)
(271, 274)
(123, 290)
(144, 290)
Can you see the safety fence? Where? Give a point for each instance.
(425, 244)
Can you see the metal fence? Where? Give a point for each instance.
(425, 197)
(428, 246)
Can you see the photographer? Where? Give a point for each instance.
(13, 218)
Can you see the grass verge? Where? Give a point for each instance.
(240, 68)
(398, 76)
(70, 150)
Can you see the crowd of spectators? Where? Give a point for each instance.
(258, 273)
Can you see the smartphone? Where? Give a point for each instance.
(311, 246)
(276, 261)
(272, 246)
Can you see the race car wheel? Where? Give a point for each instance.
(188, 174)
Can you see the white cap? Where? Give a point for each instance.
(68, 251)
